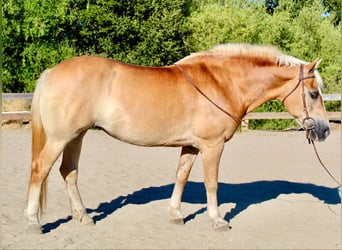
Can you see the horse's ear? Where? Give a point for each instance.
(314, 65)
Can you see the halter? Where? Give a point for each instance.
(308, 121)
(309, 127)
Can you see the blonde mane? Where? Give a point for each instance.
(249, 50)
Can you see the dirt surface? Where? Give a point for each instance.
(272, 190)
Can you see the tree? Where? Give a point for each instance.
(333, 7)
(271, 5)
(39, 34)
(135, 31)
(33, 41)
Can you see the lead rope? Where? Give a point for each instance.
(320, 160)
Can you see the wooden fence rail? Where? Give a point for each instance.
(16, 96)
(26, 116)
(332, 116)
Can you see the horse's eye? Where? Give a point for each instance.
(314, 95)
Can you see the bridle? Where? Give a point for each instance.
(308, 122)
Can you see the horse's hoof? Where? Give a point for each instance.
(176, 221)
(34, 229)
(87, 221)
(221, 226)
(176, 216)
(83, 219)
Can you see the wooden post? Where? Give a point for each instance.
(244, 125)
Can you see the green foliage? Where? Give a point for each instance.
(32, 41)
(137, 31)
(39, 34)
(333, 7)
(216, 23)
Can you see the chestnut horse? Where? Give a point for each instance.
(196, 104)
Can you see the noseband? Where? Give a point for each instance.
(308, 122)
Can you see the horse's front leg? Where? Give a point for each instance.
(186, 161)
(211, 154)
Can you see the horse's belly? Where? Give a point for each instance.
(146, 130)
(148, 137)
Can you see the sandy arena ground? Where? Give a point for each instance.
(272, 190)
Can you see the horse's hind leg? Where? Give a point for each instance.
(69, 171)
(186, 161)
(40, 169)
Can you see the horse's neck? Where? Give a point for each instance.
(248, 86)
(268, 83)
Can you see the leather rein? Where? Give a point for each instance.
(308, 122)
(236, 119)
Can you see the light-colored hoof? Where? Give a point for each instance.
(176, 216)
(83, 219)
(87, 221)
(176, 221)
(220, 225)
(34, 229)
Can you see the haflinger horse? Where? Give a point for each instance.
(196, 104)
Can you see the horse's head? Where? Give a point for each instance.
(305, 102)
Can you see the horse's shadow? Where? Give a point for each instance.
(243, 195)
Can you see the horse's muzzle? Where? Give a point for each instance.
(317, 130)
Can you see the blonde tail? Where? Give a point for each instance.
(38, 137)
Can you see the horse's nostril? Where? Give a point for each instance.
(326, 132)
